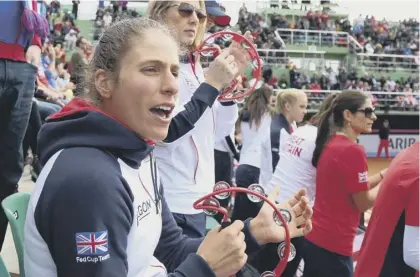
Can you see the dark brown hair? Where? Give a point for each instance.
(115, 42)
(257, 105)
(326, 104)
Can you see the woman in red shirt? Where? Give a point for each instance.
(343, 189)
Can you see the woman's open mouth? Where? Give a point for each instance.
(163, 111)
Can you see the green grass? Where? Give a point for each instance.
(86, 28)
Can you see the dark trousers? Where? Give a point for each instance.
(17, 85)
(320, 262)
(246, 175)
(267, 259)
(31, 134)
(223, 165)
(192, 225)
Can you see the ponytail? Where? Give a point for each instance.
(332, 118)
(238, 122)
(323, 135)
(326, 104)
(257, 105)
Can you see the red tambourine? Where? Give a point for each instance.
(222, 190)
(231, 93)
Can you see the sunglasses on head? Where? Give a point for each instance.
(368, 112)
(187, 10)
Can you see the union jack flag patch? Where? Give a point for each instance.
(363, 177)
(92, 244)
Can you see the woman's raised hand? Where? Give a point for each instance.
(266, 230)
(222, 70)
(240, 54)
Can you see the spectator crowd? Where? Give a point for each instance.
(377, 37)
(380, 37)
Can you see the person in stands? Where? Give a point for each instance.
(391, 243)
(343, 187)
(100, 175)
(20, 55)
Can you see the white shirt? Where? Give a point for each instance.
(411, 246)
(294, 169)
(252, 138)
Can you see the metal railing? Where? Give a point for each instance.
(317, 38)
(280, 57)
(384, 102)
(382, 62)
(264, 5)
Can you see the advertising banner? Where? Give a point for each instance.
(397, 142)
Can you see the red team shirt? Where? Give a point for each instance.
(341, 172)
(399, 193)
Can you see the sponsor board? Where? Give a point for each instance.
(397, 143)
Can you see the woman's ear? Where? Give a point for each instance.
(103, 84)
(348, 116)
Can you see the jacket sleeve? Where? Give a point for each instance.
(226, 116)
(186, 116)
(178, 252)
(266, 164)
(82, 206)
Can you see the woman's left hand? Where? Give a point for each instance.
(266, 230)
(242, 58)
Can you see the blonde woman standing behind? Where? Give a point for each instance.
(291, 107)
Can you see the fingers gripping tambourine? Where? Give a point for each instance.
(232, 93)
(222, 190)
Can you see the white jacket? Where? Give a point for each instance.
(252, 139)
(186, 165)
(294, 169)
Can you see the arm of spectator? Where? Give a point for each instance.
(356, 181)
(51, 56)
(177, 252)
(50, 94)
(186, 116)
(226, 117)
(33, 54)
